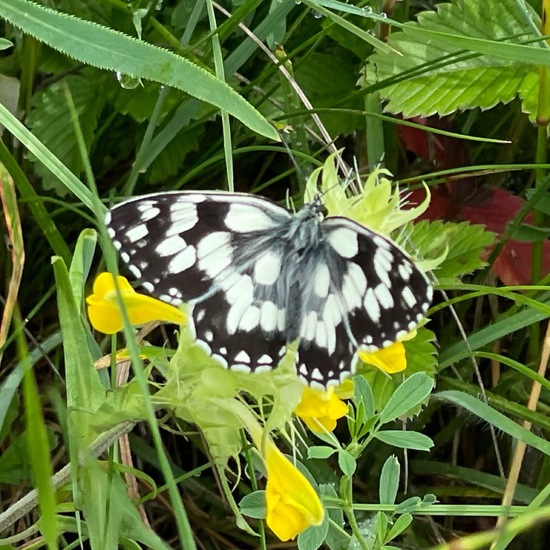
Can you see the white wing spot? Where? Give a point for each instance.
(309, 326)
(265, 360)
(321, 280)
(331, 312)
(135, 271)
(242, 290)
(267, 268)
(384, 296)
(137, 233)
(344, 241)
(409, 297)
(316, 374)
(242, 357)
(371, 305)
(170, 246)
(243, 218)
(223, 350)
(321, 339)
(350, 293)
(221, 360)
(125, 257)
(405, 271)
(208, 335)
(149, 287)
(182, 260)
(214, 253)
(250, 319)
(382, 265)
(148, 212)
(183, 217)
(268, 316)
(200, 315)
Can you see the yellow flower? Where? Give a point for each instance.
(391, 359)
(292, 503)
(105, 315)
(320, 409)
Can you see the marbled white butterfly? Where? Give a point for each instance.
(258, 278)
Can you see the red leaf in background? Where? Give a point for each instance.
(465, 200)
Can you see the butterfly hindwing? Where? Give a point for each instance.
(370, 295)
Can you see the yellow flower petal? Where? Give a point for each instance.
(320, 409)
(391, 359)
(105, 315)
(292, 503)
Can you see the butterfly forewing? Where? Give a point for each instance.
(259, 278)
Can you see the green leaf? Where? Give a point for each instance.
(436, 75)
(389, 480)
(498, 420)
(50, 122)
(346, 462)
(463, 243)
(409, 394)
(314, 536)
(253, 505)
(401, 523)
(530, 233)
(504, 327)
(320, 451)
(363, 394)
(409, 505)
(421, 353)
(336, 538)
(85, 392)
(110, 514)
(405, 439)
(111, 50)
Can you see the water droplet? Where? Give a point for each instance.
(297, 2)
(384, 15)
(367, 10)
(317, 15)
(127, 81)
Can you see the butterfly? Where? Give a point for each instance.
(258, 278)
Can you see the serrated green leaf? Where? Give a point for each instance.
(464, 243)
(421, 353)
(50, 122)
(111, 50)
(405, 439)
(389, 481)
(320, 451)
(253, 505)
(439, 76)
(409, 394)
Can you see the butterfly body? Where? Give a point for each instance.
(259, 278)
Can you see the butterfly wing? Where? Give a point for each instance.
(220, 253)
(369, 295)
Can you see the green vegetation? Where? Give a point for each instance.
(112, 436)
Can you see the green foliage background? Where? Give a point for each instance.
(104, 100)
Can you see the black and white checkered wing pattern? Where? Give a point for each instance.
(259, 278)
(366, 294)
(215, 251)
